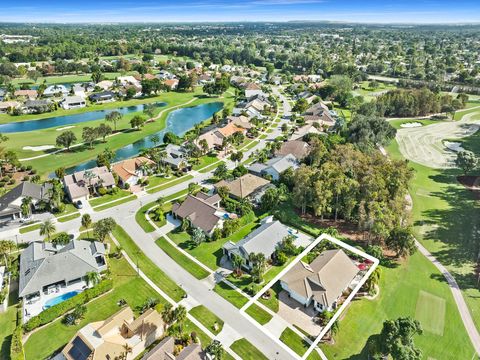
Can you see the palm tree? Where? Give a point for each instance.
(179, 314)
(87, 222)
(127, 349)
(114, 116)
(155, 139)
(89, 175)
(237, 262)
(26, 206)
(167, 314)
(92, 278)
(47, 228)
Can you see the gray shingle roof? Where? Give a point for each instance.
(42, 264)
(35, 191)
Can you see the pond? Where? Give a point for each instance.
(55, 121)
(178, 122)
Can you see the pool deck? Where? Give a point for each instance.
(36, 307)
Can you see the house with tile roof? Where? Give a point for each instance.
(246, 186)
(79, 184)
(165, 350)
(297, 148)
(107, 339)
(130, 171)
(322, 282)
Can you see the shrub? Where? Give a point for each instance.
(2, 184)
(29, 167)
(102, 191)
(55, 311)
(26, 178)
(11, 181)
(126, 186)
(33, 171)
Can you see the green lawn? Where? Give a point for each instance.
(430, 312)
(65, 79)
(272, 302)
(168, 184)
(211, 167)
(400, 289)
(189, 265)
(147, 265)
(190, 327)
(8, 322)
(396, 123)
(231, 295)
(260, 315)
(69, 208)
(209, 253)
(116, 203)
(205, 161)
(69, 217)
(28, 228)
(247, 351)
(127, 285)
(109, 197)
(207, 318)
(297, 344)
(155, 180)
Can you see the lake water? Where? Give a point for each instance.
(178, 122)
(56, 121)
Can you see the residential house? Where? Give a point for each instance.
(177, 157)
(55, 90)
(320, 114)
(297, 148)
(10, 202)
(240, 121)
(164, 75)
(230, 129)
(305, 130)
(322, 282)
(36, 106)
(165, 350)
(6, 106)
(107, 339)
(274, 167)
(130, 171)
(128, 80)
(103, 96)
(26, 94)
(202, 210)
(247, 186)
(79, 184)
(172, 84)
(213, 138)
(105, 84)
(73, 102)
(46, 268)
(252, 89)
(264, 240)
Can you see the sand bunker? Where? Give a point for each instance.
(454, 146)
(65, 128)
(39, 148)
(411, 125)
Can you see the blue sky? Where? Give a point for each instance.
(406, 11)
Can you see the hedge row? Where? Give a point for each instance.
(16, 346)
(58, 310)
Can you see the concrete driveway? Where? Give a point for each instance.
(296, 314)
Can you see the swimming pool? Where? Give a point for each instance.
(61, 298)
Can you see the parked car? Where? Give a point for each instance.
(78, 204)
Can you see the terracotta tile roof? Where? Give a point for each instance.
(127, 168)
(230, 129)
(244, 185)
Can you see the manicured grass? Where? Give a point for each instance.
(127, 285)
(147, 265)
(193, 268)
(229, 294)
(250, 145)
(116, 203)
(297, 344)
(397, 123)
(260, 315)
(247, 351)
(155, 180)
(109, 197)
(69, 217)
(272, 302)
(69, 208)
(28, 228)
(207, 318)
(400, 288)
(171, 183)
(190, 327)
(209, 253)
(205, 161)
(65, 79)
(430, 312)
(211, 167)
(8, 322)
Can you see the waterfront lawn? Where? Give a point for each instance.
(127, 285)
(230, 294)
(246, 350)
(209, 253)
(297, 344)
(207, 318)
(147, 266)
(260, 315)
(193, 268)
(120, 193)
